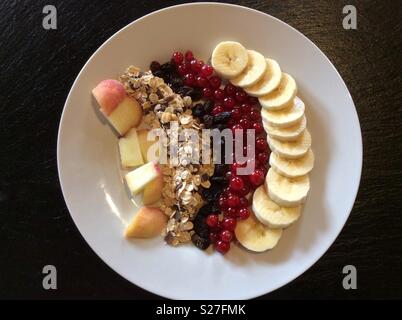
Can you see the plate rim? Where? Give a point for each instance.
(314, 258)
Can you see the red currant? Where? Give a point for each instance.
(233, 200)
(229, 103)
(202, 81)
(228, 175)
(182, 69)
(189, 56)
(262, 158)
(212, 220)
(236, 128)
(241, 96)
(256, 178)
(245, 109)
(195, 67)
(255, 115)
(261, 145)
(243, 203)
(216, 110)
(236, 114)
(235, 165)
(243, 213)
(258, 128)
(207, 93)
(213, 237)
(252, 100)
(177, 57)
(229, 224)
(231, 212)
(218, 94)
(236, 183)
(222, 201)
(222, 247)
(226, 235)
(244, 191)
(215, 82)
(207, 70)
(245, 123)
(189, 79)
(230, 90)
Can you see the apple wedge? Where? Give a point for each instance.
(130, 151)
(147, 223)
(153, 191)
(137, 179)
(145, 144)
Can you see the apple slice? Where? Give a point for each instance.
(145, 145)
(130, 151)
(153, 191)
(147, 223)
(137, 179)
(121, 111)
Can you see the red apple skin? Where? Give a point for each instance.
(109, 94)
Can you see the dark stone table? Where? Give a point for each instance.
(38, 68)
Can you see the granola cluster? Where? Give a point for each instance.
(184, 175)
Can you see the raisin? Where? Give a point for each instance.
(176, 82)
(219, 126)
(155, 66)
(206, 210)
(222, 117)
(208, 106)
(168, 67)
(219, 179)
(159, 73)
(184, 91)
(220, 169)
(200, 226)
(200, 242)
(208, 120)
(196, 94)
(198, 110)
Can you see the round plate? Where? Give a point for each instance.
(92, 185)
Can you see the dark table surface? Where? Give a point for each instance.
(38, 68)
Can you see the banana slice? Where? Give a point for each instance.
(286, 117)
(269, 82)
(287, 192)
(229, 59)
(291, 149)
(292, 168)
(270, 214)
(286, 134)
(282, 96)
(255, 236)
(253, 72)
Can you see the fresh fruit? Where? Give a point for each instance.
(153, 191)
(287, 192)
(212, 220)
(261, 145)
(147, 223)
(236, 183)
(291, 149)
(229, 224)
(146, 141)
(269, 81)
(207, 70)
(219, 94)
(121, 111)
(130, 151)
(253, 72)
(282, 96)
(243, 213)
(270, 214)
(286, 117)
(255, 236)
(137, 179)
(229, 59)
(256, 178)
(286, 134)
(222, 246)
(215, 82)
(226, 235)
(189, 55)
(177, 57)
(292, 168)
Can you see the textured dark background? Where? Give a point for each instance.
(38, 68)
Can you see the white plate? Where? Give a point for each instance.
(92, 184)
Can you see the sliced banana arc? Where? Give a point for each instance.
(292, 168)
(287, 192)
(282, 96)
(286, 134)
(269, 81)
(229, 59)
(270, 214)
(286, 117)
(255, 236)
(253, 72)
(291, 149)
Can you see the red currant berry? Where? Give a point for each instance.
(234, 166)
(236, 114)
(230, 90)
(228, 103)
(235, 129)
(255, 115)
(229, 224)
(236, 183)
(189, 79)
(233, 200)
(244, 191)
(222, 247)
(207, 70)
(261, 145)
(256, 178)
(243, 203)
(212, 220)
(182, 69)
(243, 213)
(195, 67)
(217, 110)
(177, 57)
(222, 201)
(263, 169)
(258, 128)
(245, 123)
(189, 55)
(213, 237)
(245, 109)
(226, 235)
(215, 82)
(231, 212)
(228, 175)
(207, 93)
(202, 82)
(262, 158)
(252, 100)
(241, 96)
(218, 94)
